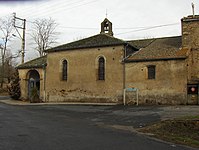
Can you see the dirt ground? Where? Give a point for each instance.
(181, 131)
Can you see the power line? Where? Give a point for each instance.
(81, 28)
(89, 28)
(28, 9)
(138, 28)
(45, 12)
(48, 9)
(148, 28)
(141, 28)
(129, 28)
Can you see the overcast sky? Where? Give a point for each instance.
(82, 18)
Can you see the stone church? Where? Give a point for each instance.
(104, 69)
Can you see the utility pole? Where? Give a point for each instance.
(23, 27)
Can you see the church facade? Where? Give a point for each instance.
(102, 69)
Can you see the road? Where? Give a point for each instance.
(65, 127)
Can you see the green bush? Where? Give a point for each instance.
(14, 86)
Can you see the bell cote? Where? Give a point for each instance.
(106, 27)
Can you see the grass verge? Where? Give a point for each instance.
(183, 131)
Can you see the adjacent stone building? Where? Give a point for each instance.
(102, 68)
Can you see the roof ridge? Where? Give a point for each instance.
(113, 37)
(150, 43)
(92, 37)
(155, 38)
(141, 49)
(72, 42)
(98, 40)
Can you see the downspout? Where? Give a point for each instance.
(44, 69)
(124, 75)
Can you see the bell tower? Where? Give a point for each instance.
(106, 27)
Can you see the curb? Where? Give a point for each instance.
(23, 103)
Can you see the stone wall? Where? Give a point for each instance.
(193, 66)
(168, 87)
(190, 32)
(190, 40)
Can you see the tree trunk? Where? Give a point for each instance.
(2, 75)
(3, 61)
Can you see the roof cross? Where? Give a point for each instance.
(106, 13)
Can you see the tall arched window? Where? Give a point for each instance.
(64, 70)
(101, 69)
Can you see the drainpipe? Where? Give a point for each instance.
(44, 69)
(124, 75)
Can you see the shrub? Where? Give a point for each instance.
(14, 86)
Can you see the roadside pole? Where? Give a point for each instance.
(23, 27)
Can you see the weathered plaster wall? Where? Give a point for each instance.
(82, 84)
(169, 86)
(24, 76)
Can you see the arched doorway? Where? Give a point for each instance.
(33, 83)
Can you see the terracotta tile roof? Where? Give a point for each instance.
(99, 40)
(149, 49)
(157, 49)
(35, 63)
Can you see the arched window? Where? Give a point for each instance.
(64, 70)
(101, 69)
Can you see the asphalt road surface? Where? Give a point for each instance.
(4, 97)
(65, 127)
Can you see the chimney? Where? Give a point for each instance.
(190, 31)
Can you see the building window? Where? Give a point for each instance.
(151, 72)
(101, 69)
(64, 70)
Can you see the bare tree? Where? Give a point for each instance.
(9, 66)
(6, 29)
(44, 34)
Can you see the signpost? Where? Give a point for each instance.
(130, 90)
